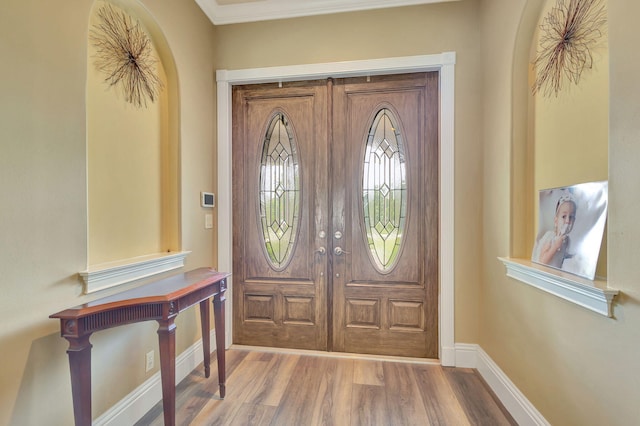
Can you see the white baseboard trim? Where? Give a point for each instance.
(134, 406)
(466, 355)
(523, 412)
(448, 356)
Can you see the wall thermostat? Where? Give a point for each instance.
(207, 199)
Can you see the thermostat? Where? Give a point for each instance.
(207, 199)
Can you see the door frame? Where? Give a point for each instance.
(442, 62)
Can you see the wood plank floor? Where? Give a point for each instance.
(272, 388)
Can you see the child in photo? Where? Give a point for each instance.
(553, 247)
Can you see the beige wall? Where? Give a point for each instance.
(571, 128)
(576, 367)
(43, 200)
(124, 165)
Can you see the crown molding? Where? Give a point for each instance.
(264, 10)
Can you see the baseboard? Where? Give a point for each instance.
(448, 356)
(142, 399)
(466, 355)
(524, 413)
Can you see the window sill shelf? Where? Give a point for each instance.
(110, 274)
(593, 295)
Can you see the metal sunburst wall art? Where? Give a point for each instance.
(124, 54)
(568, 34)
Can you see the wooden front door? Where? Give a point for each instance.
(279, 204)
(336, 215)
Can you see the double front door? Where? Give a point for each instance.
(335, 215)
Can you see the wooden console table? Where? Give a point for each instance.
(161, 301)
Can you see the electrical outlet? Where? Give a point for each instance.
(149, 361)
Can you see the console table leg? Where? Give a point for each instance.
(167, 343)
(206, 340)
(80, 365)
(218, 313)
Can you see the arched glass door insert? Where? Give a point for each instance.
(384, 191)
(279, 192)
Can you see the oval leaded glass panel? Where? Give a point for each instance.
(279, 192)
(384, 191)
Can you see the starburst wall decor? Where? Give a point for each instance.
(124, 54)
(568, 34)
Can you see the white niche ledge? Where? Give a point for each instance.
(111, 274)
(593, 295)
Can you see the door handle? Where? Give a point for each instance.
(339, 252)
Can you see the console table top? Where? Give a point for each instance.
(164, 290)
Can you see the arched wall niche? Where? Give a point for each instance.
(133, 165)
(532, 140)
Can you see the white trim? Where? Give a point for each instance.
(447, 192)
(466, 355)
(281, 9)
(106, 275)
(225, 200)
(592, 295)
(134, 406)
(445, 63)
(398, 65)
(520, 408)
(514, 401)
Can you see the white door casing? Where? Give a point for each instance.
(445, 64)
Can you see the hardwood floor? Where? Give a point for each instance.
(272, 388)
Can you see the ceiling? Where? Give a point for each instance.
(222, 12)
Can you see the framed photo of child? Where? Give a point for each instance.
(570, 227)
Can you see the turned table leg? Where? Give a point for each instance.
(218, 313)
(167, 342)
(80, 365)
(206, 339)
